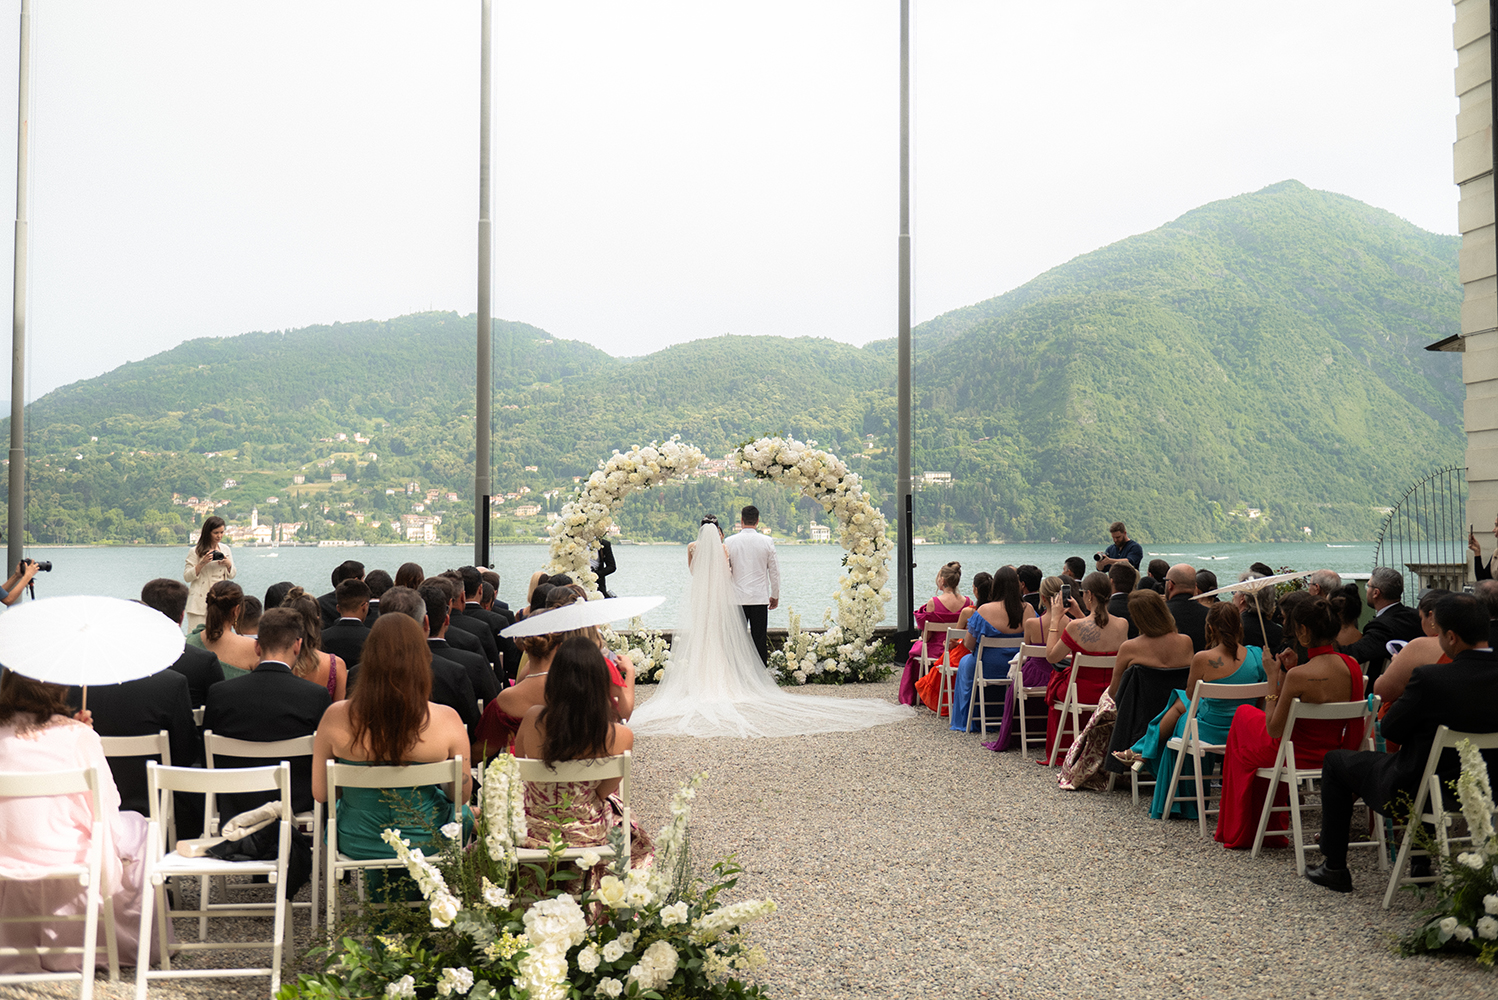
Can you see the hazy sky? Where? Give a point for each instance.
(667, 171)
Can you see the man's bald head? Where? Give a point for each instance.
(1180, 579)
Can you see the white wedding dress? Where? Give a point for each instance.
(717, 686)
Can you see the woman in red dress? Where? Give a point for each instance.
(1254, 739)
(1099, 634)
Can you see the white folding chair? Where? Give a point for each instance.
(948, 672)
(932, 634)
(89, 875)
(197, 715)
(309, 822)
(976, 696)
(1021, 692)
(1190, 743)
(156, 745)
(162, 782)
(1071, 705)
(1430, 792)
(340, 776)
(598, 769)
(1285, 771)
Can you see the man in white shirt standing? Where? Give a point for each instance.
(756, 577)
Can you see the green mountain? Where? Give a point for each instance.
(1259, 352)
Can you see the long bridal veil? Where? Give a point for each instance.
(716, 684)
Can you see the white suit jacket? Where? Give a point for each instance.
(756, 574)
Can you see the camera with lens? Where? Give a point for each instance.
(1097, 557)
(45, 566)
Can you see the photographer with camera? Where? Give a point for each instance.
(207, 563)
(10, 591)
(1123, 549)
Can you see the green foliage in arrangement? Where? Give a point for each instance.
(1250, 369)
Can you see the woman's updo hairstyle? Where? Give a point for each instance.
(306, 605)
(1049, 588)
(1320, 619)
(223, 600)
(710, 519)
(1225, 626)
(982, 587)
(950, 575)
(1349, 603)
(1101, 588)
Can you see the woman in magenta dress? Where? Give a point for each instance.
(933, 693)
(1254, 739)
(1099, 634)
(939, 612)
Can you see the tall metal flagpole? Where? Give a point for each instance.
(906, 620)
(16, 521)
(481, 478)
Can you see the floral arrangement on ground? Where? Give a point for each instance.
(805, 658)
(494, 928)
(1465, 916)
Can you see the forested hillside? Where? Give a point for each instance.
(1262, 352)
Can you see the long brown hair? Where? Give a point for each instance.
(388, 709)
(409, 575)
(1225, 627)
(22, 695)
(224, 598)
(578, 713)
(1005, 590)
(306, 605)
(205, 537)
(1101, 588)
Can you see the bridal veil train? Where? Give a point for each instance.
(716, 684)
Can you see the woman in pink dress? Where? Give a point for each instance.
(1099, 634)
(939, 612)
(36, 736)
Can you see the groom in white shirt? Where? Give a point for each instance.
(756, 577)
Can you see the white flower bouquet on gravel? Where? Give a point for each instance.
(485, 933)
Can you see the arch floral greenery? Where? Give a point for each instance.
(846, 649)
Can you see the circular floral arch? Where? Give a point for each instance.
(840, 651)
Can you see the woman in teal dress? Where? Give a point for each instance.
(391, 720)
(1227, 661)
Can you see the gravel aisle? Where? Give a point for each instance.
(910, 862)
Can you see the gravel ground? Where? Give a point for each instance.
(908, 861)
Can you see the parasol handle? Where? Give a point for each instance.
(84, 708)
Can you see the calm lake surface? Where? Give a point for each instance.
(808, 573)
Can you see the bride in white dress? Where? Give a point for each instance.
(716, 684)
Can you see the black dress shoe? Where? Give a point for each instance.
(1335, 879)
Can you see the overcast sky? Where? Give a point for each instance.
(667, 171)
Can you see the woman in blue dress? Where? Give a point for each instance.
(1227, 661)
(1003, 617)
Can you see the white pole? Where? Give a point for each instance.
(16, 520)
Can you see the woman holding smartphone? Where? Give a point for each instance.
(1483, 570)
(207, 563)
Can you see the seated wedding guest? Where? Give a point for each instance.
(1146, 675)
(621, 669)
(1225, 661)
(1285, 610)
(1254, 737)
(1420, 650)
(1123, 577)
(537, 602)
(1155, 578)
(1034, 671)
(378, 581)
(409, 575)
(1323, 583)
(1003, 617)
(574, 723)
(38, 735)
(1391, 620)
(495, 733)
(269, 703)
(198, 665)
(1099, 634)
(932, 618)
(930, 688)
(1158, 647)
(349, 569)
(1206, 582)
(1462, 694)
(1482, 569)
(1486, 593)
(450, 683)
(390, 719)
(345, 638)
(459, 621)
(437, 600)
(236, 653)
(312, 664)
(275, 594)
(1072, 571)
(1255, 606)
(249, 616)
(1352, 611)
(1029, 583)
(1180, 595)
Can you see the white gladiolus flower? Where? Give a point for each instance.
(452, 831)
(587, 860)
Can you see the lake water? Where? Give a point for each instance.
(808, 573)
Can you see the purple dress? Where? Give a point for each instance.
(1035, 671)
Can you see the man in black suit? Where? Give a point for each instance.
(459, 622)
(199, 666)
(349, 569)
(1123, 576)
(378, 582)
(605, 566)
(345, 637)
(1462, 694)
(267, 704)
(473, 607)
(144, 707)
(492, 602)
(1029, 585)
(1180, 598)
(439, 614)
(1391, 620)
(450, 683)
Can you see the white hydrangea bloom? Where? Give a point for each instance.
(459, 981)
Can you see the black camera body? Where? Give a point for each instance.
(1097, 557)
(218, 556)
(45, 566)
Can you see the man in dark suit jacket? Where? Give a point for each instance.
(1123, 576)
(267, 704)
(1462, 694)
(496, 621)
(378, 582)
(491, 599)
(144, 707)
(1180, 597)
(349, 569)
(201, 668)
(450, 683)
(606, 566)
(478, 671)
(1391, 620)
(460, 622)
(345, 637)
